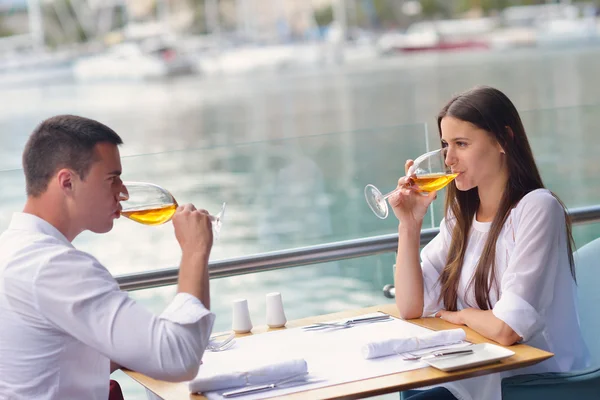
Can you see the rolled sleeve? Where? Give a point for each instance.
(518, 314)
(185, 309)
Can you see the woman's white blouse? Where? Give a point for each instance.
(536, 294)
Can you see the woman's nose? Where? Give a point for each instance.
(450, 159)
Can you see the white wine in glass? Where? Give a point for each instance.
(429, 172)
(151, 204)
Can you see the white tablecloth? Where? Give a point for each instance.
(333, 357)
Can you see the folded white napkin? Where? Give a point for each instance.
(386, 347)
(209, 380)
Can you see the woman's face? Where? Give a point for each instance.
(473, 153)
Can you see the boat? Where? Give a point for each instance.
(133, 61)
(439, 36)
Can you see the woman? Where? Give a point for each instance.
(502, 263)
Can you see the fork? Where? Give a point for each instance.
(347, 324)
(221, 345)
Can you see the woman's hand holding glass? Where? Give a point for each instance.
(408, 202)
(415, 191)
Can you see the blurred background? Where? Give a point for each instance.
(286, 109)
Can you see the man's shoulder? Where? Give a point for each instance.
(34, 243)
(67, 266)
(38, 250)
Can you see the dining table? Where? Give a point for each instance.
(524, 356)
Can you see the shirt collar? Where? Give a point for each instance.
(31, 223)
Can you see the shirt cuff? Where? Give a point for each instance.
(519, 315)
(185, 309)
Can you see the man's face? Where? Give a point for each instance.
(97, 196)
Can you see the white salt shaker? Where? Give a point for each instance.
(241, 317)
(275, 315)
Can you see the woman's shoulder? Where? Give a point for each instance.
(542, 197)
(539, 201)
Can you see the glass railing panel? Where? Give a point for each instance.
(280, 194)
(306, 291)
(565, 145)
(585, 233)
(309, 190)
(12, 195)
(566, 149)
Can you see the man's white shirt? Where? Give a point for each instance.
(64, 319)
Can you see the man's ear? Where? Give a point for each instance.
(65, 178)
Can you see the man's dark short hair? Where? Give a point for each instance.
(63, 141)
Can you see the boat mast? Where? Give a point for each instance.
(339, 16)
(36, 24)
(162, 12)
(243, 19)
(213, 22)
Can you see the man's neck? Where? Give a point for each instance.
(52, 212)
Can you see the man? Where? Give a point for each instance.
(65, 324)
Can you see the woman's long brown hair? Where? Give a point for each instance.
(488, 109)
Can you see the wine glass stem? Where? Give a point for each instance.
(385, 196)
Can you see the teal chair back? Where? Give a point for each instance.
(587, 264)
(580, 385)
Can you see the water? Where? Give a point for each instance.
(291, 153)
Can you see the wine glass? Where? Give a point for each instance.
(429, 172)
(150, 204)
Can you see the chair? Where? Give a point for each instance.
(580, 384)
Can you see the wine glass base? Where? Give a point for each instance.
(216, 227)
(376, 201)
(217, 221)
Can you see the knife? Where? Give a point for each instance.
(438, 354)
(262, 388)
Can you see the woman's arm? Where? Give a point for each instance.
(483, 322)
(410, 208)
(408, 279)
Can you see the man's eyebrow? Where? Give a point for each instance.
(116, 172)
